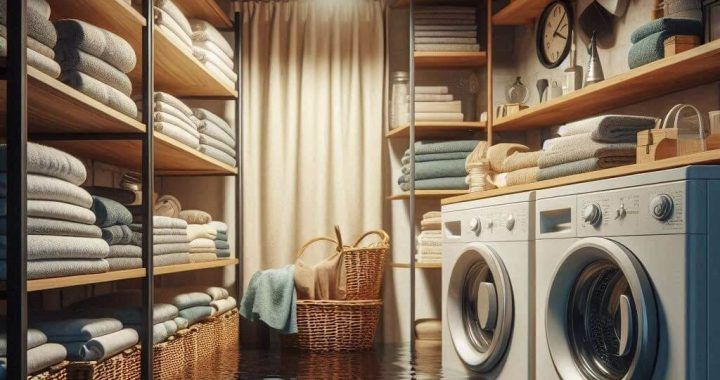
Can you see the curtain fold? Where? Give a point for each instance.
(312, 109)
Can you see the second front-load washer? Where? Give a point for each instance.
(486, 277)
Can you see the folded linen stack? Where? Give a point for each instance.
(95, 62)
(62, 238)
(438, 165)
(222, 246)
(202, 242)
(40, 354)
(596, 143)
(41, 36)
(192, 306)
(428, 336)
(513, 164)
(213, 50)
(429, 241)
(435, 103)
(89, 339)
(217, 139)
(114, 219)
(170, 241)
(446, 28)
(170, 19)
(478, 168)
(649, 39)
(174, 119)
(221, 302)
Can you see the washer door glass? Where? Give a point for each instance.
(601, 318)
(479, 307)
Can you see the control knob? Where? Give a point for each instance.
(475, 225)
(592, 214)
(510, 222)
(661, 207)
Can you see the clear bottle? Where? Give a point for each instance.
(399, 99)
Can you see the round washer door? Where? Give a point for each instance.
(601, 317)
(479, 307)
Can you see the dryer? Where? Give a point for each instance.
(487, 253)
(625, 269)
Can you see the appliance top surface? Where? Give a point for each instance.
(527, 196)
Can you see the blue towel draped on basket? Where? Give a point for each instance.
(271, 298)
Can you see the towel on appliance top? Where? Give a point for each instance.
(218, 225)
(109, 213)
(222, 306)
(430, 146)
(97, 41)
(523, 176)
(173, 11)
(162, 19)
(579, 167)
(521, 160)
(38, 27)
(211, 142)
(100, 91)
(77, 329)
(579, 147)
(35, 338)
(206, 115)
(48, 247)
(217, 293)
(497, 154)
(201, 231)
(49, 161)
(35, 59)
(672, 26)
(204, 31)
(102, 347)
(60, 211)
(271, 298)
(42, 188)
(72, 58)
(61, 268)
(195, 216)
(609, 128)
(438, 169)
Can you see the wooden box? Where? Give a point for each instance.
(678, 44)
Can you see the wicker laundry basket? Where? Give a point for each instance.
(169, 360)
(125, 365)
(208, 338)
(337, 325)
(56, 372)
(229, 329)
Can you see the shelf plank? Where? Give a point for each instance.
(700, 65)
(417, 265)
(208, 10)
(450, 59)
(433, 129)
(54, 107)
(406, 3)
(429, 194)
(87, 279)
(520, 12)
(220, 263)
(702, 158)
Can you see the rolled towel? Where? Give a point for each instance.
(173, 11)
(59, 211)
(35, 59)
(523, 176)
(98, 42)
(72, 58)
(48, 247)
(222, 306)
(32, 44)
(201, 231)
(497, 154)
(165, 249)
(208, 57)
(670, 26)
(60, 268)
(196, 314)
(219, 226)
(109, 213)
(42, 188)
(204, 31)
(609, 128)
(50, 162)
(102, 347)
(35, 338)
(211, 129)
(164, 19)
(124, 263)
(38, 27)
(171, 259)
(188, 127)
(78, 329)
(125, 250)
(195, 216)
(217, 154)
(41, 226)
(173, 101)
(217, 293)
(201, 257)
(521, 160)
(44, 356)
(177, 133)
(122, 196)
(209, 141)
(100, 91)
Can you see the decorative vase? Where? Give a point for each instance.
(594, 72)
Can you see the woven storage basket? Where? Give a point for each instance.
(190, 346)
(56, 372)
(208, 338)
(229, 329)
(131, 363)
(337, 325)
(114, 367)
(169, 358)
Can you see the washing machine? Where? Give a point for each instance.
(486, 276)
(625, 272)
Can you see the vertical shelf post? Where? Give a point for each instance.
(239, 194)
(489, 70)
(16, 129)
(411, 83)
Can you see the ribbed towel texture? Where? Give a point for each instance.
(271, 298)
(429, 241)
(97, 41)
(50, 162)
(100, 91)
(37, 57)
(440, 165)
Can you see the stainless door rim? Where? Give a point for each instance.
(581, 254)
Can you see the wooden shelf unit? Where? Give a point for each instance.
(520, 12)
(432, 129)
(688, 69)
(208, 10)
(428, 194)
(86, 279)
(417, 265)
(444, 60)
(220, 263)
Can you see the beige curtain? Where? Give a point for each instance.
(313, 103)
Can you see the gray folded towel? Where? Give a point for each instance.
(38, 27)
(177, 133)
(222, 244)
(170, 248)
(44, 356)
(173, 101)
(582, 166)
(109, 213)
(405, 160)
(161, 331)
(217, 144)
(209, 128)
(185, 300)
(171, 259)
(59, 268)
(580, 147)
(438, 169)
(42, 188)
(447, 47)
(97, 41)
(204, 31)
(217, 154)
(166, 118)
(447, 183)
(173, 11)
(35, 59)
(432, 146)
(125, 250)
(32, 44)
(100, 91)
(41, 226)
(35, 338)
(217, 293)
(208, 57)
(206, 115)
(71, 58)
(124, 263)
(122, 196)
(222, 235)
(215, 49)
(610, 128)
(102, 347)
(163, 222)
(48, 247)
(50, 162)
(175, 111)
(76, 329)
(164, 19)
(223, 253)
(59, 211)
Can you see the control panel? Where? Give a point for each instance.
(500, 223)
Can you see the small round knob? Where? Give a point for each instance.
(621, 212)
(510, 223)
(475, 225)
(592, 214)
(661, 207)
(490, 224)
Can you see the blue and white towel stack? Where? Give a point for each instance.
(170, 240)
(213, 50)
(446, 28)
(41, 36)
(221, 239)
(217, 138)
(193, 306)
(439, 165)
(114, 219)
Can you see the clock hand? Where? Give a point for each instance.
(558, 34)
(559, 24)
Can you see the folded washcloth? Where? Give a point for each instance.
(35, 59)
(209, 141)
(50, 162)
(48, 247)
(122, 196)
(38, 27)
(98, 42)
(109, 213)
(177, 15)
(204, 31)
(72, 58)
(168, 205)
(221, 244)
(167, 118)
(124, 263)
(447, 183)
(579, 147)
(77, 329)
(164, 19)
(218, 226)
(405, 160)
(165, 249)
(523, 176)
(35, 338)
(438, 169)
(224, 305)
(201, 257)
(177, 133)
(117, 234)
(195, 216)
(217, 293)
(58, 211)
(42, 188)
(218, 154)
(211, 129)
(44, 356)
(521, 160)
(582, 166)
(201, 231)
(125, 250)
(100, 91)
(171, 259)
(430, 146)
(197, 314)
(102, 347)
(497, 154)
(609, 128)
(271, 298)
(61, 268)
(671, 26)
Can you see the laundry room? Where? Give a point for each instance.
(370, 189)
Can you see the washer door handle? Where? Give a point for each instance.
(487, 306)
(626, 325)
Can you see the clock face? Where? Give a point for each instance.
(554, 34)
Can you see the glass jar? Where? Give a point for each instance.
(399, 99)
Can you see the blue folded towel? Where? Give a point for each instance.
(271, 298)
(432, 147)
(437, 169)
(196, 314)
(109, 213)
(673, 26)
(79, 329)
(102, 347)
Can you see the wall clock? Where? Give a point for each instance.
(553, 35)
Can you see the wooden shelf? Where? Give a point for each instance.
(703, 158)
(694, 67)
(208, 10)
(417, 265)
(406, 3)
(428, 194)
(87, 279)
(54, 107)
(159, 271)
(520, 12)
(450, 59)
(433, 129)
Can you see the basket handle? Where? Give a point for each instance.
(338, 235)
(313, 241)
(385, 239)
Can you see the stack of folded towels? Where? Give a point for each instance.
(429, 241)
(649, 40)
(217, 139)
(41, 36)
(213, 50)
(95, 62)
(221, 239)
(114, 219)
(62, 237)
(439, 165)
(596, 143)
(513, 164)
(174, 119)
(428, 335)
(202, 242)
(174, 24)
(193, 306)
(446, 28)
(40, 354)
(222, 302)
(170, 240)
(88, 339)
(435, 103)
(125, 197)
